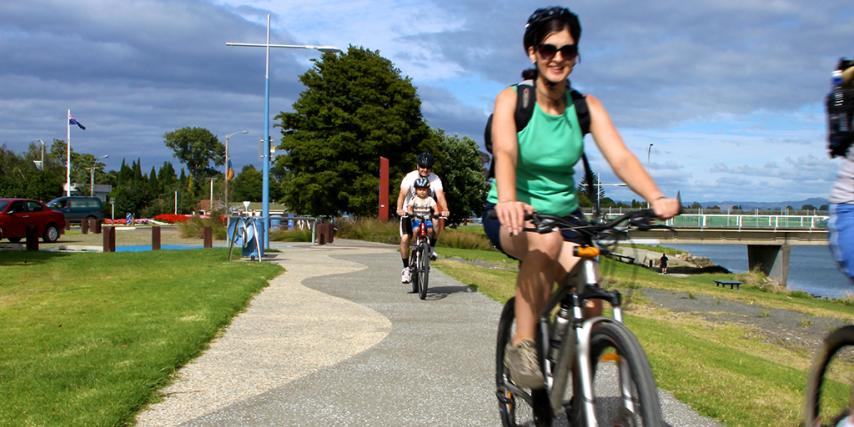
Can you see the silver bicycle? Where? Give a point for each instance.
(595, 371)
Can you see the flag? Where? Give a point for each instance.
(229, 171)
(73, 121)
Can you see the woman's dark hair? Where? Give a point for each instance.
(544, 22)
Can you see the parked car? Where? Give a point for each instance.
(16, 215)
(78, 208)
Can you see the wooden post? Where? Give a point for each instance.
(32, 238)
(208, 236)
(110, 239)
(155, 238)
(382, 215)
(84, 225)
(96, 224)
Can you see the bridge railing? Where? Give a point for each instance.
(743, 221)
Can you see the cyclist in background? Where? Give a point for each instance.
(534, 172)
(424, 169)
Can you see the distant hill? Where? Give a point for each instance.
(815, 201)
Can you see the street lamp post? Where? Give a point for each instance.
(92, 175)
(40, 163)
(648, 152)
(227, 136)
(265, 188)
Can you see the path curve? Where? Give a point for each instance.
(288, 331)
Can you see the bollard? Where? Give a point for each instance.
(32, 238)
(97, 226)
(208, 236)
(109, 239)
(321, 233)
(67, 225)
(155, 238)
(330, 233)
(84, 225)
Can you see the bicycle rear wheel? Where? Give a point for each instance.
(423, 271)
(517, 406)
(624, 391)
(814, 413)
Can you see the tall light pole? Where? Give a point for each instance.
(92, 175)
(648, 152)
(38, 163)
(265, 188)
(227, 136)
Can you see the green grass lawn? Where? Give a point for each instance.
(723, 370)
(89, 338)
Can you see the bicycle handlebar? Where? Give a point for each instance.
(543, 223)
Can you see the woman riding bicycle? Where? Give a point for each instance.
(534, 172)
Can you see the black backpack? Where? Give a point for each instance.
(526, 98)
(840, 111)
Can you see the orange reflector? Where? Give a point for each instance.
(609, 357)
(585, 251)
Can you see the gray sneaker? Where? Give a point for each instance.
(524, 366)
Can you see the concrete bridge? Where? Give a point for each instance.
(768, 238)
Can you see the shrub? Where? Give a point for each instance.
(370, 229)
(292, 235)
(193, 228)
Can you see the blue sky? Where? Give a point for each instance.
(728, 92)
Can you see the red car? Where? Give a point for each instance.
(18, 214)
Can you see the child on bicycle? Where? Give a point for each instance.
(422, 205)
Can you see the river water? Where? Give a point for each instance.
(811, 268)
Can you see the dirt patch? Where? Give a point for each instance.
(778, 326)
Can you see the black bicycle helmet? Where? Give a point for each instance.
(422, 182)
(543, 15)
(425, 160)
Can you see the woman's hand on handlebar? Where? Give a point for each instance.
(665, 207)
(511, 214)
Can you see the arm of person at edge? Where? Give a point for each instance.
(625, 164)
(401, 196)
(505, 149)
(440, 201)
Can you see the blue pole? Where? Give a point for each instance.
(265, 186)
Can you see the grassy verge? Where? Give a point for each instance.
(89, 338)
(725, 371)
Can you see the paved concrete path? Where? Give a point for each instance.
(337, 340)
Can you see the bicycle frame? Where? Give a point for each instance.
(575, 338)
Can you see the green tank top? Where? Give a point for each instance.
(549, 148)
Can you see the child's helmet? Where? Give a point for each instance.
(422, 182)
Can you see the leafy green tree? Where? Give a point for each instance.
(356, 108)
(197, 148)
(247, 185)
(584, 194)
(458, 164)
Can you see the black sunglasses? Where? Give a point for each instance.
(548, 51)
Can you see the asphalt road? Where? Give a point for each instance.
(338, 340)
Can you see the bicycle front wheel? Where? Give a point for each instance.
(413, 270)
(624, 391)
(423, 271)
(815, 412)
(517, 406)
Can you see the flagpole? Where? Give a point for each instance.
(68, 154)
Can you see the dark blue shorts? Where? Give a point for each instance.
(491, 227)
